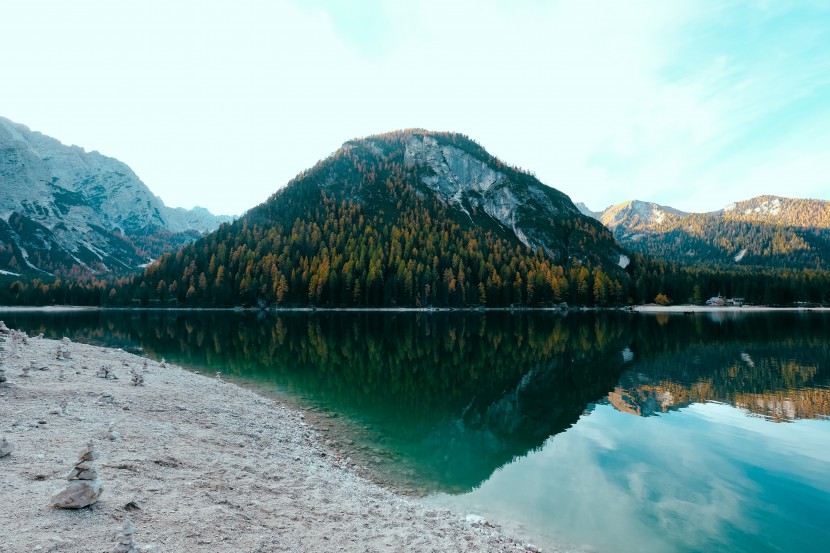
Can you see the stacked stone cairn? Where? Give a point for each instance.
(112, 434)
(126, 543)
(62, 352)
(106, 372)
(138, 379)
(84, 487)
(5, 447)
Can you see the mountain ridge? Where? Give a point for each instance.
(65, 211)
(765, 231)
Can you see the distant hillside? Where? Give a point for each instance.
(791, 212)
(67, 212)
(406, 218)
(767, 231)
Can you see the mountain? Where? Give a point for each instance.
(405, 218)
(767, 231)
(67, 212)
(636, 216)
(586, 211)
(775, 210)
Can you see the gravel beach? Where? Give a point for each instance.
(195, 463)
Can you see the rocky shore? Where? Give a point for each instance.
(187, 463)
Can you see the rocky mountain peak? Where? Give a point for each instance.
(62, 207)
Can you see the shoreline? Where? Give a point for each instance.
(201, 464)
(646, 308)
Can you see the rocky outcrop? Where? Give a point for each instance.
(84, 487)
(481, 187)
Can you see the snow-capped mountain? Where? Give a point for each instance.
(65, 211)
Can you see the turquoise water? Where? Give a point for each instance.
(606, 431)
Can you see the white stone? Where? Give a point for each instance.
(5, 447)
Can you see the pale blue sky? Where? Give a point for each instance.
(689, 103)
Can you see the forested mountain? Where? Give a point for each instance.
(410, 218)
(65, 212)
(767, 231)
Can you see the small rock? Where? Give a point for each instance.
(132, 506)
(5, 447)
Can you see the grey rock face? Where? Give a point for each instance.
(520, 203)
(84, 487)
(57, 198)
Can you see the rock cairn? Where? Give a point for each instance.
(112, 434)
(126, 542)
(62, 352)
(3, 377)
(106, 399)
(106, 372)
(84, 487)
(138, 379)
(5, 447)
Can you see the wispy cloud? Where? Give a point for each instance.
(686, 102)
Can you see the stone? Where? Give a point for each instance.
(5, 447)
(87, 474)
(78, 494)
(89, 453)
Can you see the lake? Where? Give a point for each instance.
(605, 431)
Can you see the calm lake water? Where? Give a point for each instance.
(605, 431)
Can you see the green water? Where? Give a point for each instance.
(608, 431)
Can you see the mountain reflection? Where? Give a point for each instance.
(454, 396)
(776, 366)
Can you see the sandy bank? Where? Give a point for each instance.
(202, 465)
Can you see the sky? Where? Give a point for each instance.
(692, 104)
